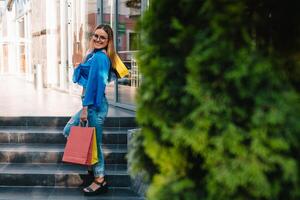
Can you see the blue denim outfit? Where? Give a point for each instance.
(93, 75)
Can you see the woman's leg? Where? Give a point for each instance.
(74, 121)
(96, 119)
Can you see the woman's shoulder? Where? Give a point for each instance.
(101, 53)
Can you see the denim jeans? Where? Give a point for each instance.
(95, 119)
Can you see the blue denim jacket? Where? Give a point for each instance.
(93, 75)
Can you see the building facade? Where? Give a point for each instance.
(38, 39)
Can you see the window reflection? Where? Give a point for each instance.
(107, 19)
(128, 40)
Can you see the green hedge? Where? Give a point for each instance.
(219, 103)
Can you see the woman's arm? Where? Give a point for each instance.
(83, 115)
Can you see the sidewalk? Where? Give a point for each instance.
(19, 98)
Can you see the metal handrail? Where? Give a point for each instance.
(128, 51)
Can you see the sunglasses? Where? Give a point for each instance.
(97, 37)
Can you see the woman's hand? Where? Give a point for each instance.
(77, 48)
(76, 59)
(83, 115)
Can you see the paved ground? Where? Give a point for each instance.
(19, 98)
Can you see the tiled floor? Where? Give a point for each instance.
(19, 98)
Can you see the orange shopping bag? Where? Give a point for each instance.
(81, 147)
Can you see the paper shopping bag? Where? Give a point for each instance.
(119, 67)
(81, 146)
(94, 150)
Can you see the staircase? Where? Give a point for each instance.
(31, 150)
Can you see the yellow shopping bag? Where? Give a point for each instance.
(94, 150)
(119, 67)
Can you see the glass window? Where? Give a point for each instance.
(107, 19)
(107, 11)
(58, 42)
(83, 23)
(90, 20)
(127, 45)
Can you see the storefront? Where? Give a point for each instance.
(48, 33)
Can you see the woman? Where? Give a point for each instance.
(93, 74)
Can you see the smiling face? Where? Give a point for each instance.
(100, 38)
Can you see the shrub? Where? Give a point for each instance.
(219, 103)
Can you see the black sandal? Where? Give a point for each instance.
(102, 189)
(87, 179)
(90, 172)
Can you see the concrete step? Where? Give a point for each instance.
(52, 153)
(29, 134)
(58, 193)
(115, 122)
(63, 175)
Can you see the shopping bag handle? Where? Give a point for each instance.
(84, 123)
